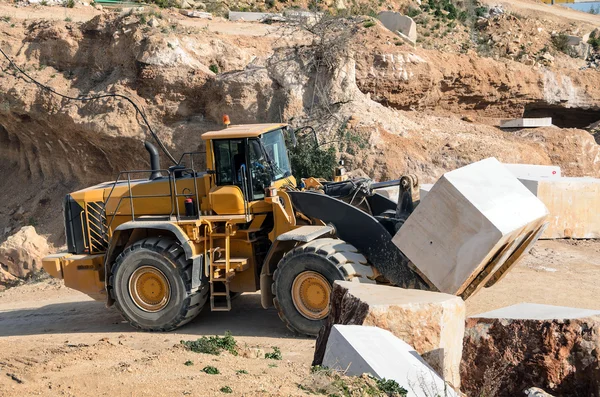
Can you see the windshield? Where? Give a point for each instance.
(274, 144)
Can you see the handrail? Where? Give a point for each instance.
(245, 190)
(191, 155)
(130, 196)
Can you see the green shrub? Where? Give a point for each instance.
(309, 160)
(369, 23)
(241, 372)
(275, 354)
(209, 369)
(481, 11)
(413, 12)
(213, 345)
(70, 3)
(226, 390)
(561, 42)
(594, 41)
(391, 387)
(214, 68)
(188, 363)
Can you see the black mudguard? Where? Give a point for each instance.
(364, 232)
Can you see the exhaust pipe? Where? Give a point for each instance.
(154, 160)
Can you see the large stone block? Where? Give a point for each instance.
(512, 349)
(573, 203)
(472, 226)
(424, 189)
(431, 322)
(397, 22)
(527, 171)
(357, 350)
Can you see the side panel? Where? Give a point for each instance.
(364, 232)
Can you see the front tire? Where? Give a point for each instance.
(151, 282)
(303, 280)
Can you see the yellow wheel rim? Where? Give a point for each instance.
(149, 288)
(310, 294)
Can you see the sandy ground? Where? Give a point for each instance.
(55, 341)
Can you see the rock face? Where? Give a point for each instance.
(357, 350)
(509, 350)
(22, 253)
(432, 323)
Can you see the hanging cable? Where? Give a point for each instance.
(92, 98)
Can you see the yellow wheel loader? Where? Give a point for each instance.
(163, 246)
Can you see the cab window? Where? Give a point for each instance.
(230, 156)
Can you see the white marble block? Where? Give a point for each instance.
(472, 223)
(527, 122)
(357, 349)
(424, 189)
(528, 171)
(573, 203)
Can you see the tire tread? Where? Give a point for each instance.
(172, 251)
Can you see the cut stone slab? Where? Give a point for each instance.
(529, 345)
(357, 350)
(196, 14)
(397, 22)
(431, 322)
(574, 205)
(526, 171)
(471, 228)
(527, 122)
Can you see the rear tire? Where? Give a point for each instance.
(150, 284)
(303, 281)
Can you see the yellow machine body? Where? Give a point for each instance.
(226, 221)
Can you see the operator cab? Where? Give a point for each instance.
(251, 157)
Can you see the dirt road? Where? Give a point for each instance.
(556, 13)
(54, 341)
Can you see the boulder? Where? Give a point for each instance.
(528, 345)
(6, 277)
(356, 350)
(153, 22)
(22, 253)
(432, 323)
(574, 205)
(475, 223)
